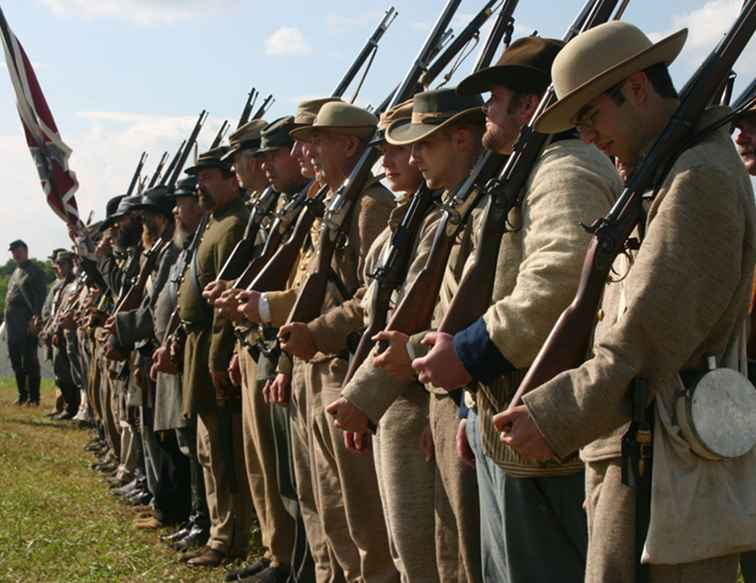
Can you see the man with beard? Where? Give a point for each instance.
(166, 470)
(537, 274)
(207, 390)
(188, 215)
(119, 265)
(23, 301)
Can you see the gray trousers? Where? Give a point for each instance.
(531, 529)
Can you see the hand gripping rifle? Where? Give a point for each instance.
(568, 343)
(309, 302)
(392, 271)
(137, 174)
(242, 253)
(505, 193)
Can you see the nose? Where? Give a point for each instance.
(414, 158)
(743, 138)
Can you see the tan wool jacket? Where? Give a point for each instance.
(537, 274)
(685, 295)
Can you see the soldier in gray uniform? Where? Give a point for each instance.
(26, 294)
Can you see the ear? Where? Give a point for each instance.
(636, 87)
(527, 108)
(351, 146)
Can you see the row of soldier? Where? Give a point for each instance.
(410, 471)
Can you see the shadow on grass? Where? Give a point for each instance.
(46, 423)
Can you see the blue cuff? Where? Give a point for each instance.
(464, 410)
(479, 354)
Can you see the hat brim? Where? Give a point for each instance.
(559, 116)
(403, 132)
(305, 134)
(273, 149)
(220, 165)
(519, 78)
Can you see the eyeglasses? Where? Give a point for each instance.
(586, 118)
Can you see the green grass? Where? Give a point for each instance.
(58, 521)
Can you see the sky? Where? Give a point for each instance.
(123, 76)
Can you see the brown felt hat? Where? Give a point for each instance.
(276, 136)
(525, 67)
(595, 61)
(340, 117)
(308, 109)
(247, 137)
(433, 110)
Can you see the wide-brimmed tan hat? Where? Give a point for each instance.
(215, 158)
(595, 61)
(432, 111)
(342, 118)
(401, 111)
(308, 109)
(524, 66)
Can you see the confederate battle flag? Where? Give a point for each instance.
(45, 144)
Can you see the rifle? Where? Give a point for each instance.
(264, 106)
(219, 136)
(133, 298)
(242, 253)
(568, 343)
(368, 52)
(505, 193)
(190, 142)
(137, 174)
(396, 261)
(248, 105)
(172, 165)
(309, 302)
(158, 170)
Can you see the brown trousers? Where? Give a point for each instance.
(276, 525)
(407, 484)
(231, 513)
(456, 499)
(611, 531)
(327, 569)
(350, 504)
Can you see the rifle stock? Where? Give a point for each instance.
(568, 342)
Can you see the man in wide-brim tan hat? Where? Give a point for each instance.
(684, 295)
(537, 273)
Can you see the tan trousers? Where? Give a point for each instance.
(456, 499)
(231, 513)
(276, 525)
(611, 531)
(407, 483)
(327, 569)
(350, 503)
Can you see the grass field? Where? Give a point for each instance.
(58, 521)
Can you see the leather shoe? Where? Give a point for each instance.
(176, 535)
(270, 575)
(149, 523)
(190, 554)
(141, 498)
(196, 537)
(20, 402)
(208, 558)
(259, 565)
(127, 489)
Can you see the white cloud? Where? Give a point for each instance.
(706, 27)
(104, 156)
(287, 41)
(145, 12)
